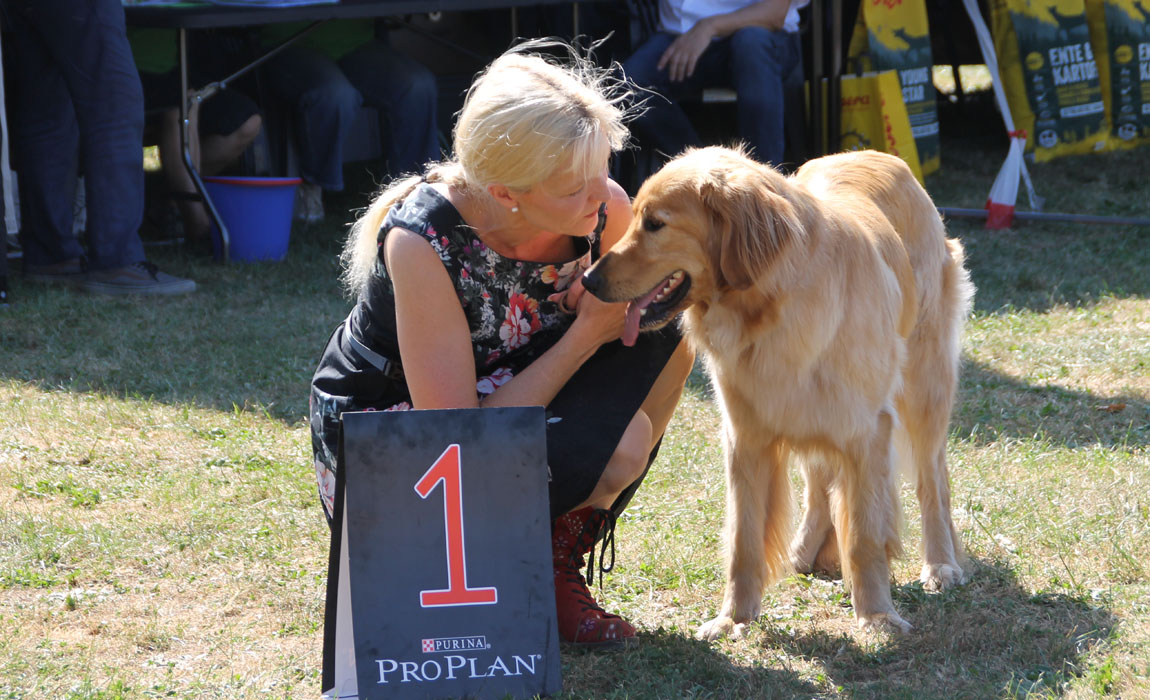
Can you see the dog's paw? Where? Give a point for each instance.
(721, 626)
(800, 565)
(825, 568)
(939, 577)
(884, 622)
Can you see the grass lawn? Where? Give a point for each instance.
(160, 534)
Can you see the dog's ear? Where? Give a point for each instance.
(753, 223)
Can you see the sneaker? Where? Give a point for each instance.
(309, 203)
(15, 250)
(70, 271)
(139, 278)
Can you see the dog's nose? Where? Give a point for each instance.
(592, 280)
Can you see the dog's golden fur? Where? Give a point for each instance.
(828, 307)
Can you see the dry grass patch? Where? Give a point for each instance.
(150, 547)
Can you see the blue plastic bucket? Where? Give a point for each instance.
(257, 212)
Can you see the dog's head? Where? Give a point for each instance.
(710, 221)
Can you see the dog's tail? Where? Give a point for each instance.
(956, 278)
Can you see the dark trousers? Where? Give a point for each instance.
(325, 96)
(755, 61)
(79, 100)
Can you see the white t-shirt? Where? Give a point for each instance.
(678, 16)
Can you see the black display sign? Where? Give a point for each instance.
(440, 578)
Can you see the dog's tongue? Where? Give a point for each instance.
(631, 324)
(635, 314)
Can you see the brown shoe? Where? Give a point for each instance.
(139, 278)
(70, 271)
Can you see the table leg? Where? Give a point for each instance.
(834, 92)
(817, 113)
(225, 239)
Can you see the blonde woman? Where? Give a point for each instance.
(469, 294)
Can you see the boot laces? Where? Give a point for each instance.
(578, 588)
(599, 527)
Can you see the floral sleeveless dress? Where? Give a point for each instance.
(512, 323)
(504, 300)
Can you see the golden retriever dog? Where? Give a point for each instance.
(828, 307)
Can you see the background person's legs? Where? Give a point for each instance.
(220, 151)
(663, 125)
(88, 46)
(84, 47)
(661, 128)
(176, 177)
(210, 152)
(406, 95)
(324, 104)
(45, 147)
(760, 60)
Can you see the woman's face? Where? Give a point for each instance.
(566, 203)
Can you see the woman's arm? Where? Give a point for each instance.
(767, 13)
(435, 340)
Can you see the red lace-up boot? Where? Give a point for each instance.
(581, 620)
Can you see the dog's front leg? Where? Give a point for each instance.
(757, 518)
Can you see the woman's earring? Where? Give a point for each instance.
(514, 210)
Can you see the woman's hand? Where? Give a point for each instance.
(596, 321)
(568, 299)
(600, 321)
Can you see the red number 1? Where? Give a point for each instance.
(447, 469)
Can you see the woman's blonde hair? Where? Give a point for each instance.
(523, 117)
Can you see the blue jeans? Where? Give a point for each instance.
(326, 95)
(755, 61)
(79, 95)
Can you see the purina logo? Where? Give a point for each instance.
(445, 644)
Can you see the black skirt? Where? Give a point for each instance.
(585, 421)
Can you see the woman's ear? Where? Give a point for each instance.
(503, 195)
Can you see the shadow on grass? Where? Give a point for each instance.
(1038, 267)
(671, 665)
(989, 638)
(248, 337)
(992, 406)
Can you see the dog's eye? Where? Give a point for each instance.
(652, 225)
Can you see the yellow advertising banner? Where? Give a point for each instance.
(875, 117)
(1048, 69)
(1120, 34)
(895, 35)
